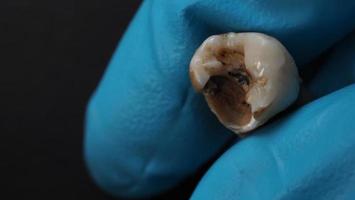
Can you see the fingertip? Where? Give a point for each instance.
(337, 71)
(115, 173)
(307, 155)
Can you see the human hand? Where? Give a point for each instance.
(147, 130)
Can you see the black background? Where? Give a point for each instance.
(52, 55)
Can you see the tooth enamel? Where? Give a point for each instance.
(254, 78)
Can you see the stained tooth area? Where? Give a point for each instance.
(246, 78)
(226, 89)
(226, 97)
(230, 57)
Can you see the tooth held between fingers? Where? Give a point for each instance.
(246, 78)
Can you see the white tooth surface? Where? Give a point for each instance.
(266, 54)
(274, 73)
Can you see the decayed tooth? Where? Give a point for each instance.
(246, 78)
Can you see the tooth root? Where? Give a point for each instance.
(246, 78)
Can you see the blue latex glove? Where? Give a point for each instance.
(147, 130)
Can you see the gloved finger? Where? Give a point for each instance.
(146, 129)
(307, 155)
(306, 28)
(337, 71)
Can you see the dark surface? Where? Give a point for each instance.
(53, 54)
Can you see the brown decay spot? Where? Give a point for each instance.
(229, 56)
(227, 98)
(194, 82)
(260, 111)
(229, 59)
(262, 81)
(226, 93)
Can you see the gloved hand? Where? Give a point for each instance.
(147, 130)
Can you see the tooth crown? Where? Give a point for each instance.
(255, 66)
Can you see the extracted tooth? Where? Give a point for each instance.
(246, 78)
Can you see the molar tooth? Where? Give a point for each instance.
(246, 78)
